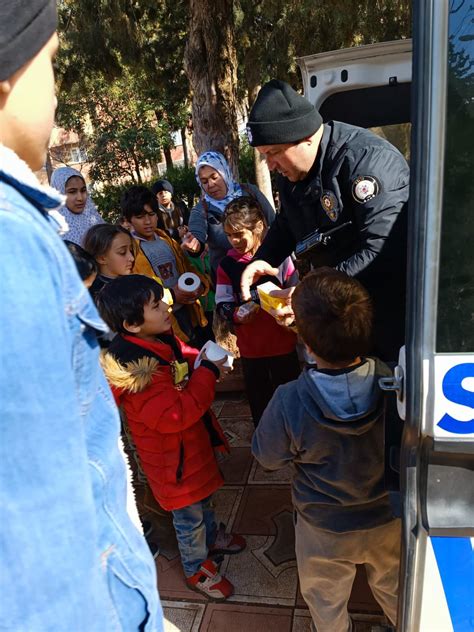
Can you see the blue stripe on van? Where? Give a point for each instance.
(455, 558)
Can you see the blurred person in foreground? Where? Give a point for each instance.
(71, 556)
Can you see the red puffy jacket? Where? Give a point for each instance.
(173, 428)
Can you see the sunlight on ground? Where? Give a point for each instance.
(170, 627)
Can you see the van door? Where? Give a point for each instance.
(437, 473)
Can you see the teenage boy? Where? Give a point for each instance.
(167, 405)
(174, 214)
(160, 256)
(67, 541)
(329, 425)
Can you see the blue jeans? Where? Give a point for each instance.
(196, 531)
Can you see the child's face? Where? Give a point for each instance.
(164, 197)
(243, 239)
(76, 195)
(119, 258)
(27, 105)
(156, 315)
(145, 223)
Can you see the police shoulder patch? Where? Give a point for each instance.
(364, 188)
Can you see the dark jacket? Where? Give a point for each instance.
(373, 247)
(172, 426)
(171, 219)
(329, 425)
(205, 223)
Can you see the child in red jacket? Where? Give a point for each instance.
(167, 405)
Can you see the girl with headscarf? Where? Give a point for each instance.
(79, 211)
(218, 188)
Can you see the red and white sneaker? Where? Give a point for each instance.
(210, 582)
(227, 543)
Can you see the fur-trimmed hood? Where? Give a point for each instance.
(134, 376)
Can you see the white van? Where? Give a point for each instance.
(422, 100)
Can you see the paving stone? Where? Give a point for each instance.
(232, 618)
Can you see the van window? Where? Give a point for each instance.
(455, 324)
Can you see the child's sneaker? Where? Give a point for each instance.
(227, 543)
(210, 582)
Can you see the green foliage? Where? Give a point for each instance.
(184, 183)
(120, 65)
(107, 197)
(121, 84)
(107, 200)
(246, 161)
(120, 134)
(271, 34)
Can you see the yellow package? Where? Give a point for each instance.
(267, 301)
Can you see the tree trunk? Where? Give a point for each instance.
(262, 173)
(262, 176)
(210, 62)
(184, 141)
(168, 158)
(137, 170)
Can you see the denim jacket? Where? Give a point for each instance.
(70, 556)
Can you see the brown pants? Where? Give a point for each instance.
(327, 566)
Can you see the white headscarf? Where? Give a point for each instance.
(217, 161)
(78, 223)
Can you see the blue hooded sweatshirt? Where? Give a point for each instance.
(329, 426)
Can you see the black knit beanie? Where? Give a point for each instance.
(281, 115)
(25, 27)
(162, 185)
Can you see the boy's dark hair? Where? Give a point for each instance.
(333, 315)
(85, 263)
(99, 238)
(244, 212)
(134, 199)
(123, 299)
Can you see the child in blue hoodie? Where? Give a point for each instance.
(329, 424)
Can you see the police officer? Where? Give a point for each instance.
(343, 193)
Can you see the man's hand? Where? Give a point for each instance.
(252, 273)
(186, 298)
(190, 243)
(284, 315)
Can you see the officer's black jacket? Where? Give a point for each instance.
(373, 247)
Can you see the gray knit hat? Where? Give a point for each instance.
(25, 27)
(281, 115)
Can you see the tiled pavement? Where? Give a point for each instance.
(256, 504)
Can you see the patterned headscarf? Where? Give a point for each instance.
(217, 161)
(78, 223)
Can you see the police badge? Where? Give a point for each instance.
(329, 204)
(364, 188)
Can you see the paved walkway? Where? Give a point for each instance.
(256, 504)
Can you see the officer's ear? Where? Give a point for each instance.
(5, 87)
(315, 138)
